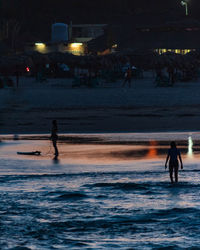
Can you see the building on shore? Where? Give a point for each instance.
(72, 38)
(162, 33)
(178, 36)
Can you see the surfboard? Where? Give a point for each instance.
(29, 153)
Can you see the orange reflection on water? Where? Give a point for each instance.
(79, 153)
(153, 152)
(90, 153)
(99, 154)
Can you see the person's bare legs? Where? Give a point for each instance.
(171, 176)
(55, 147)
(176, 175)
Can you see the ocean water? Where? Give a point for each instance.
(103, 192)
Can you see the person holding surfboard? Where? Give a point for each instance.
(54, 136)
(172, 156)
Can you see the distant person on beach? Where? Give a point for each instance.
(128, 76)
(54, 136)
(173, 155)
(171, 74)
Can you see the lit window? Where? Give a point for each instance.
(76, 45)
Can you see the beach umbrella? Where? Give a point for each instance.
(193, 57)
(194, 54)
(145, 59)
(56, 57)
(38, 58)
(168, 59)
(12, 63)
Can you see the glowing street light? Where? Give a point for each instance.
(185, 3)
(76, 45)
(40, 44)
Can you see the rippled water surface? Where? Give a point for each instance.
(104, 192)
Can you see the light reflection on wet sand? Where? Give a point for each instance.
(89, 149)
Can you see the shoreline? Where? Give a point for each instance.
(27, 134)
(99, 133)
(23, 122)
(143, 108)
(101, 120)
(106, 138)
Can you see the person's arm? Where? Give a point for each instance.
(166, 160)
(180, 159)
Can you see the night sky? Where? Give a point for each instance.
(36, 16)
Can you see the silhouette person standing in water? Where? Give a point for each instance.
(54, 137)
(173, 155)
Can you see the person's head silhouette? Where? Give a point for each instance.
(173, 144)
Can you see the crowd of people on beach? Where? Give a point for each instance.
(87, 70)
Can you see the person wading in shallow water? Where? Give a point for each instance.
(173, 155)
(54, 136)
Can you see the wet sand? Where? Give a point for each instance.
(143, 108)
(103, 120)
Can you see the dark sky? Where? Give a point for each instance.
(38, 15)
(94, 10)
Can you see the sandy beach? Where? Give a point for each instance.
(106, 108)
